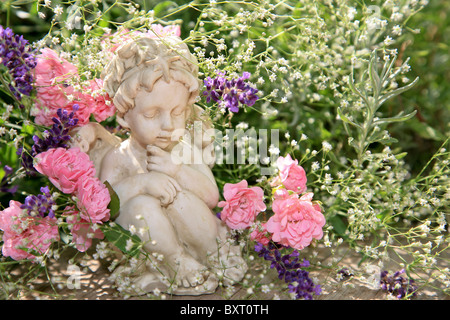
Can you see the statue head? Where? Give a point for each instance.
(143, 65)
(142, 61)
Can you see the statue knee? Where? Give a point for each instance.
(142, 201)
(136, 207)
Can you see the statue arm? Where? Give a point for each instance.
(199, 180)
(126, 187)
(128, 184)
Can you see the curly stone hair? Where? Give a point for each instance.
(139, 63)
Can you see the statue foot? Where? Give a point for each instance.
(208, 286)
(230, 264)
(192, 278)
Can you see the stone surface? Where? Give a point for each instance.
(94, 283)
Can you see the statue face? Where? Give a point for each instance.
(159, 117)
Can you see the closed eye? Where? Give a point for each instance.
(178, 111)
(151, 115)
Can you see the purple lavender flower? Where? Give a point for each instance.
(290, 269)
(41, 205)
(26, 161)
(4, 184)
(397, 285)
(230, 93)
(345, 273)
(56, 137)
(16, 55)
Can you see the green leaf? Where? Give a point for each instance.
(122, 238)
(346, 119)
(426, 131)
(27, 129)
(401, 155)
(338, 225)
(352, 86)
(21, 2)
(64, 237)
(8, 154)
(373, 74)
(114, 204)
(396, 92)
(162, 7)
(399, 118)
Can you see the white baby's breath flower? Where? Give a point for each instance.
(58, 10)
(315, 166)
(274, 150)
(397, 30)
(132, 229)
(326, 146)
(388, 41)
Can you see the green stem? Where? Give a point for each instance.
(366, 127)
(8, 13)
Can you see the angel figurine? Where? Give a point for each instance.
(154, 84)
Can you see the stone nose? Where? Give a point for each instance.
(167, 122)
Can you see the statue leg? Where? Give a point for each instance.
(183, 272)
(205, 236)
(195, 223)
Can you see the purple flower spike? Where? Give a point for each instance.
(290, 269)
(41, 205)
(4, 183)
(17, 57)
(397, 285)
(230, 93)
(58, 136)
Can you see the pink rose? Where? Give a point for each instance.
(158, 30)
(241, 204)
(285, 205)
(118, 38)
(51, 73)
(49, 100)
(23, 232)
(296, 221)
(85, 104)
(290, 175)
(261, 235)
(82, 231)
(93, 200)
(8, 218)
(65, 168)
(102, 106)
(52, 70)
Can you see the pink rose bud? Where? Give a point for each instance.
(290, 175)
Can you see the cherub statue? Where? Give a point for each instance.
(154, 85)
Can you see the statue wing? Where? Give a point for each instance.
(94, 140)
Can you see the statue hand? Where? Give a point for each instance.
(161, 161)
(162, 187)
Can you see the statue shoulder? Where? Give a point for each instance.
(96, 141)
